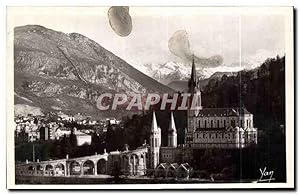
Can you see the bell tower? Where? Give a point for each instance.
(194, 105)
(155, 143)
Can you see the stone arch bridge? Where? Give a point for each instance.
(128, 162)
(87, 165)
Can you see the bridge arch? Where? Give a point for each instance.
(75, 168)
(125, 159)
(134, 162)
(60, 169)
(30, 170)
(39, 170)
(101, 166)
(143, 159)
(134, 158)
(88, 167)
(49, 170)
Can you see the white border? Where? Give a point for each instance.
(289, 123)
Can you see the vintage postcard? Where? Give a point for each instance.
(123, 97)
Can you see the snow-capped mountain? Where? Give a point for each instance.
(168, 72)
(172, 71)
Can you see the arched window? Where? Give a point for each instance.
(224, 123)
(211, 123)
(204, 123)
(155, 142)
(199, 123)
(218, 124)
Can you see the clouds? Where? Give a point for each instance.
(120, 20)
(179, 45)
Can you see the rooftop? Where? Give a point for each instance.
(238, 111)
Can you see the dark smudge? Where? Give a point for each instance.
(120, 20)
(179, 45)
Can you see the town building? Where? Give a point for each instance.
(44, 133)
(82, 138)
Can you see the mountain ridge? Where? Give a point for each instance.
(52, 65)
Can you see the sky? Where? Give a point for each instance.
(240, 36)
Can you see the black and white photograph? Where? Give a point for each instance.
(180, 97)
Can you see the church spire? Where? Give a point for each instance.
(155, 143)
(172, 136)
(154, 126)
(172, 126)
(193, 79)
(194, 76)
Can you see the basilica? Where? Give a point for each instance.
(226, 128)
